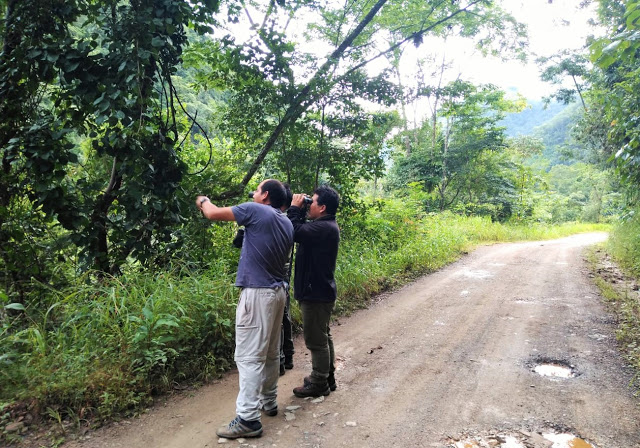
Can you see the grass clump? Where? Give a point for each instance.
(624, 244)
(103, 349)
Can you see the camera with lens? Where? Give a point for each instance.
(239, 238)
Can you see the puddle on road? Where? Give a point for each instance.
(566, 441)
(555, 370)
(519, 440)
(466, 444)
(498, 442)
(511, 442)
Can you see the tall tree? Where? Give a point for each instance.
(360, 33)
(81, 69)
(617, 57)
(466, 128)
(566, 64)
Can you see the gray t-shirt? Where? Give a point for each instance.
(268, 238)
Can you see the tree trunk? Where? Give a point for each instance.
(98, 220)
(579, 93)
(303, 100)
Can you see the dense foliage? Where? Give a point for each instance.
(625, 243)
(616, 88)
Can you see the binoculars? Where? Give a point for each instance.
(307, 199)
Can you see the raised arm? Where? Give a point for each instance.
(213, 212)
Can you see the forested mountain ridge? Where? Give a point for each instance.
(534, 115)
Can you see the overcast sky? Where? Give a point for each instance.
(552, 27)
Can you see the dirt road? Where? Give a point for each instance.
(448, 361)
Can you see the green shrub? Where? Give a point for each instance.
(624, 243)
(109, 347)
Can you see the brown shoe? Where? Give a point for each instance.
(311, 390)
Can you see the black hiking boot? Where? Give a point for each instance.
(311, 390)
(331, 381)
(288, 363)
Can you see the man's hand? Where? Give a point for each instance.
(200, 200)
(210, 211)
(297, 200)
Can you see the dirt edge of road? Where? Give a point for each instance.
(621, 295)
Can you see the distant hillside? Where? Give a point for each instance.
(523, 123)
(553, 126)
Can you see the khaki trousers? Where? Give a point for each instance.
(258, 321)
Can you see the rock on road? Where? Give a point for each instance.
(447, 361)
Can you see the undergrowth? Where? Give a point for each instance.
(624, 244)
(618, 282)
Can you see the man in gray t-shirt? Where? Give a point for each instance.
(261, 275)
(266, 246)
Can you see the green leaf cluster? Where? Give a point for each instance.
(616, 92)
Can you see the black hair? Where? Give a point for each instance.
(277, 194)
(328, 197)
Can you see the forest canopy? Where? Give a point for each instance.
(102, 144)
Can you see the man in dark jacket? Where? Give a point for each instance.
(314, 284)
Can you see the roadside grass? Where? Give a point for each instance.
(624, 244)
(616, 268)
(102, 349)
(105, 349)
